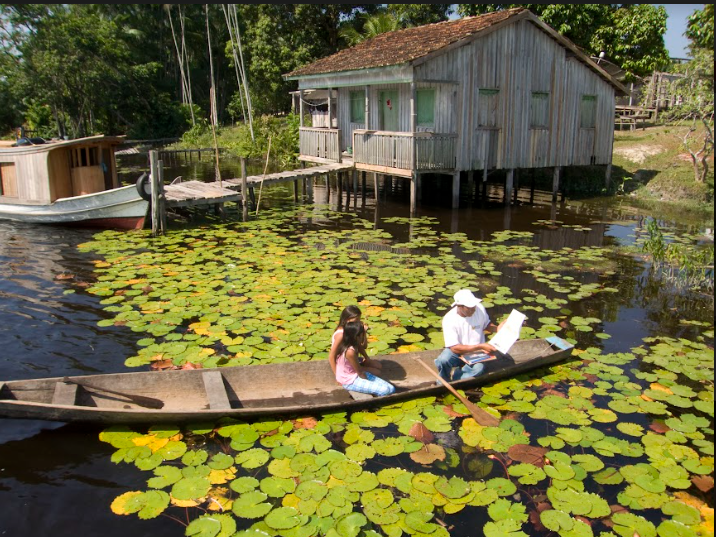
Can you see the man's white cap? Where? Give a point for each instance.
(464, 297)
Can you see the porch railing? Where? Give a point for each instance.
(404, 151)
(320, 143)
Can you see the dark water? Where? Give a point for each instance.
(58, 479)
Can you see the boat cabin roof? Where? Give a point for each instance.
(6, 145)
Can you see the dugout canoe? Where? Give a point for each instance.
(278, 389)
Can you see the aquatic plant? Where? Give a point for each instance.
(686, 266)
(607, 464)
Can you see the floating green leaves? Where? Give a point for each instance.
(636, 426)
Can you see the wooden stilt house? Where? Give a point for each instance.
(497, 91)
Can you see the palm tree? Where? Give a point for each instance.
(373, 25)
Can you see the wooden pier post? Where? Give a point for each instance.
(484, 184)
(375, 187)
(244, 188)
(456, 190)
(516, 186)
(413, 192)
(555, 183)
(608, 177)
(158, 209)
(532, 185)
(509, 181)
(362, 189)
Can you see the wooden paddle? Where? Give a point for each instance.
(149, 402)
(481, 416)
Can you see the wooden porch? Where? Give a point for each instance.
(386, 152)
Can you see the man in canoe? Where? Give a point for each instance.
(464, 333)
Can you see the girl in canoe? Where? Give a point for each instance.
(351, 313)
(349, 372)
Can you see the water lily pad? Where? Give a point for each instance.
(146, 504)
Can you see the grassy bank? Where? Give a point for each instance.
(652, 165)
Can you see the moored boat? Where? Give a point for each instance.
(245, 391)
(68, 182)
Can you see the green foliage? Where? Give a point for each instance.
(686, 266)
(631, 35)
(700, 28)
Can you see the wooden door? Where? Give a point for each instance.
(389, 117)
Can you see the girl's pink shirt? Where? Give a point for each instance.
(345, 374)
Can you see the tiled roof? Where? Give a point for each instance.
(401, 46)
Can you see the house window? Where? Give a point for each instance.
(588, 112)
(426, 107)
(488, 107)
(357, 106)
(539, 110)
(84, 156)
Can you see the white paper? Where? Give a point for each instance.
(509, 333)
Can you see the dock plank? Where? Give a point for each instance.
(188, 193)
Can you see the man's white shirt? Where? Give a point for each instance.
(459, 330)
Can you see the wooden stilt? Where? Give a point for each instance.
(244, 191)
(516, 186)
(484, 184)
(456, 190)
(362, 189)
(532, 185)
(555, 183)
(509, 180)
(608, 177)
(413, 193)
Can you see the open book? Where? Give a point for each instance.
(509, 333)
(472, 359)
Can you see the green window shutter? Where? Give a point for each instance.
(426, 107)
(539, 109)
(357, 107)
(588, 112)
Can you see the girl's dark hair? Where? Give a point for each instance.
(348, 312)
(353, 336)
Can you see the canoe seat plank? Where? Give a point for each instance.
(358, 396)
(216, 390)
(65, 394)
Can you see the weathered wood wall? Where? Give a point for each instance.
(516, 60)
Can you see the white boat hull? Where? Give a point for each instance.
(121, 208)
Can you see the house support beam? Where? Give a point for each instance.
(608, 177)
(455, 190)
(532, 185)
(509, 182)
(555, 183)
(413, 193)
(300, 106)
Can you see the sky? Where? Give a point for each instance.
(674, 39)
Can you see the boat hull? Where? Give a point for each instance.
(119, 208)
(245, 392)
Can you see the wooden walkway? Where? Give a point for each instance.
(193, 193)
